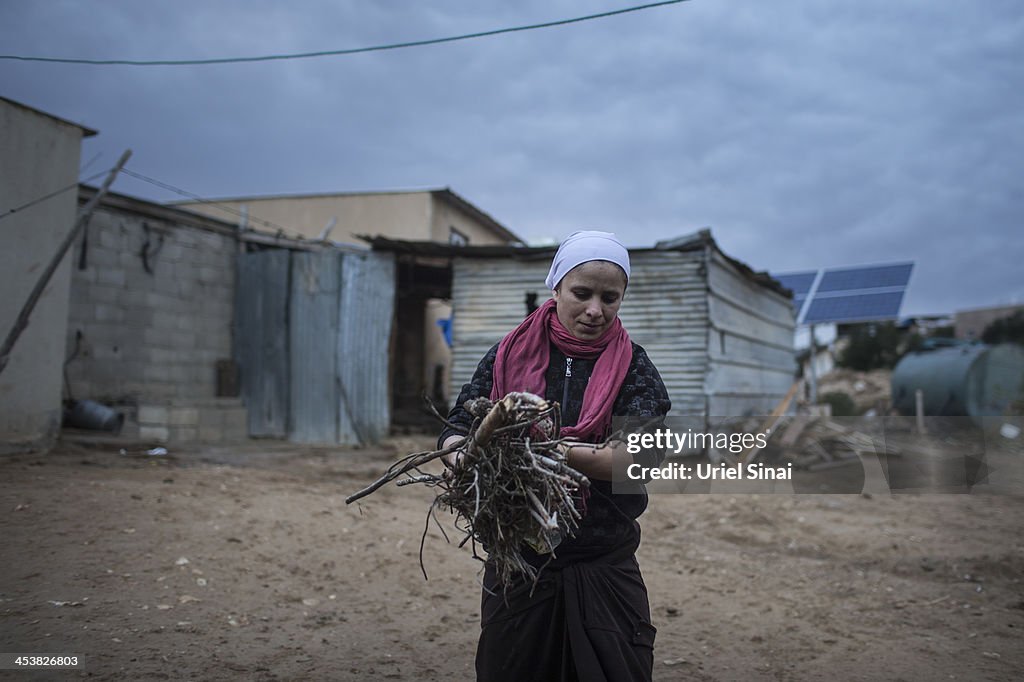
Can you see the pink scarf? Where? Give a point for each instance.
(523, 357)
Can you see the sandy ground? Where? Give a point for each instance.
(245, 563)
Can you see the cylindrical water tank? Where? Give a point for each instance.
(976, 381)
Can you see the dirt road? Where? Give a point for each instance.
(245, 563)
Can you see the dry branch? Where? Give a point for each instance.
(511, 485)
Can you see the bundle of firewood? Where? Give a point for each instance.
(509, 485)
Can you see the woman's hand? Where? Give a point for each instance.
(452, 459)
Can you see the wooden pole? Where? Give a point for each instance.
(21, 323)
(813, 371)
(919, 410)
(748, 455)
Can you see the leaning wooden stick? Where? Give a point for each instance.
(21, 322)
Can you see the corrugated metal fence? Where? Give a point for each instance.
(312, 325)
(312, 334)
(261, 339)
(367, 304)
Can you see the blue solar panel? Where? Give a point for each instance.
(873, 277)
(854, 308)
(797, 282)
(872, 292)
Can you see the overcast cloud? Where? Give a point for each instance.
(805, 133)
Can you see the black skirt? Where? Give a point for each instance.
(588, 620)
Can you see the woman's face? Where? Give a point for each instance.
(587, 299)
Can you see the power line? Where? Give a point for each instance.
(93, 160)
(51, 195)
(335, 53)
(208, 202)
(152, 181)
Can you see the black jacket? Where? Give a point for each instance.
(610, 521)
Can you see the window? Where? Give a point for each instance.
(456, 238)
(531, 302)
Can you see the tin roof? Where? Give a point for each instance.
(691, 242)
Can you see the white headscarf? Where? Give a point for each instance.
(582, 247)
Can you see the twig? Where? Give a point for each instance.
(423, 458)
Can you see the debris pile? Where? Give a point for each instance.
(868, 390)
(810, 441)
(817, 443)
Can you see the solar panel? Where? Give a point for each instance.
(798, 282)
(849, 294)
(854, 308)
(873, 277)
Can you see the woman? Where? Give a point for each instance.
(588, 617)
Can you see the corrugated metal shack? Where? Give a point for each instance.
(720, 333)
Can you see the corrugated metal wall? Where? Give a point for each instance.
(313, 345)
(313, 325)
(665, 311)
(488, 300)
(366, 310)
(750, 344)
(261, 340)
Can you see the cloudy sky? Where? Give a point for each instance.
(805, 133)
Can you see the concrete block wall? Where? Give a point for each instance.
(217, 420)
(150, 338)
